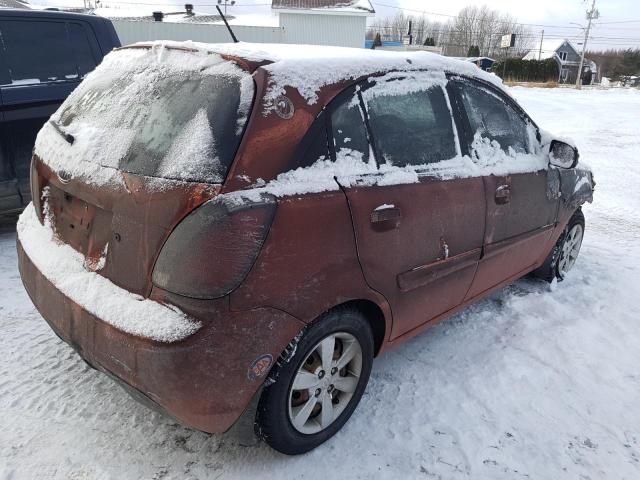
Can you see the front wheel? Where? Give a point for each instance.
(565, 253)
(317, 383)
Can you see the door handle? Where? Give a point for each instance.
(386, 213)
(503, 194)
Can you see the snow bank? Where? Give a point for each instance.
(64, 267)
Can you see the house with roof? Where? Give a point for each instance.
(567, 56)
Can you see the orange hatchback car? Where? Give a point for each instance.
(243, 228)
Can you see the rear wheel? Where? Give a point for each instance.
(316, 388)
(565, 253)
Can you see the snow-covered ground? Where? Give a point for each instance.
(534, 382)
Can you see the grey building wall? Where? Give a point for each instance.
(315, 29)
(131, 32)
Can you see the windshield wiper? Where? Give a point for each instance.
(67, 136)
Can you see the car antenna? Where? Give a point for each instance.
(224, 19)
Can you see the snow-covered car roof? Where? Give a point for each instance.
(309, 68)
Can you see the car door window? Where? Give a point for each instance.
(493, 118)
(411, 128)
(37, 52)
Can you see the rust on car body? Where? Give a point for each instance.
(409, 255)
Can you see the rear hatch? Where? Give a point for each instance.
(147, 137)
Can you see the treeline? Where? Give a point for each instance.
(520, 70)
(479, 27)
(617, 64)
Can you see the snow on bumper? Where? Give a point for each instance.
(64, 268)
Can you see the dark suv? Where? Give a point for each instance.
(44, 55)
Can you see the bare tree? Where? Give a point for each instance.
(473, 26)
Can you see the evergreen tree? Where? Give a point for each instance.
(377, 42)
(474, 51)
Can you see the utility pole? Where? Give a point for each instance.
(540, 51)
(592, 14)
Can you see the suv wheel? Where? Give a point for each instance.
(317, 383)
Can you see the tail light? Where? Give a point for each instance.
(212, 250)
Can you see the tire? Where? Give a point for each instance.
(565, 252)
(302, 387)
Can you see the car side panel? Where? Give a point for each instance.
(309, 262)
(424, 260)
(517, 232)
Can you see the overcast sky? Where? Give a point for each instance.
(554, 16)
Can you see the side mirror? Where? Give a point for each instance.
(563, 155)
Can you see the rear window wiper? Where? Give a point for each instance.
(67, 136)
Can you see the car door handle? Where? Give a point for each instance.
(386, 214)
(503, 194)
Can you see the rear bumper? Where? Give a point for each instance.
(205, 380)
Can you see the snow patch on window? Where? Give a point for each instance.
(110, 121)
(193, 153)
(64, 267)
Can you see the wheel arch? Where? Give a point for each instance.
(374, 315)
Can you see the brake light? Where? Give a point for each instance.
(212, 250)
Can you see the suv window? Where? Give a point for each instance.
(493, 118)
(412, 128)
(82, 49)
(37, 52)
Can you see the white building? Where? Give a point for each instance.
(316, 22)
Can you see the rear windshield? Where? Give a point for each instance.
(160, 112)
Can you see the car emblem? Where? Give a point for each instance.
(284, 107)
(64, 177)
(259, 367)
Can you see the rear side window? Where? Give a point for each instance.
(491, 117)
(82, 49)
(410, 128)
(347, 126)
(37, 52)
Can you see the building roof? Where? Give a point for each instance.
(145, 14)
(549, 49)
(356, 6)
(14, 4)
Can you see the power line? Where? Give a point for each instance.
(424, 12)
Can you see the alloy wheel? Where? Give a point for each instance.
(325, 383)
(570, 249)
